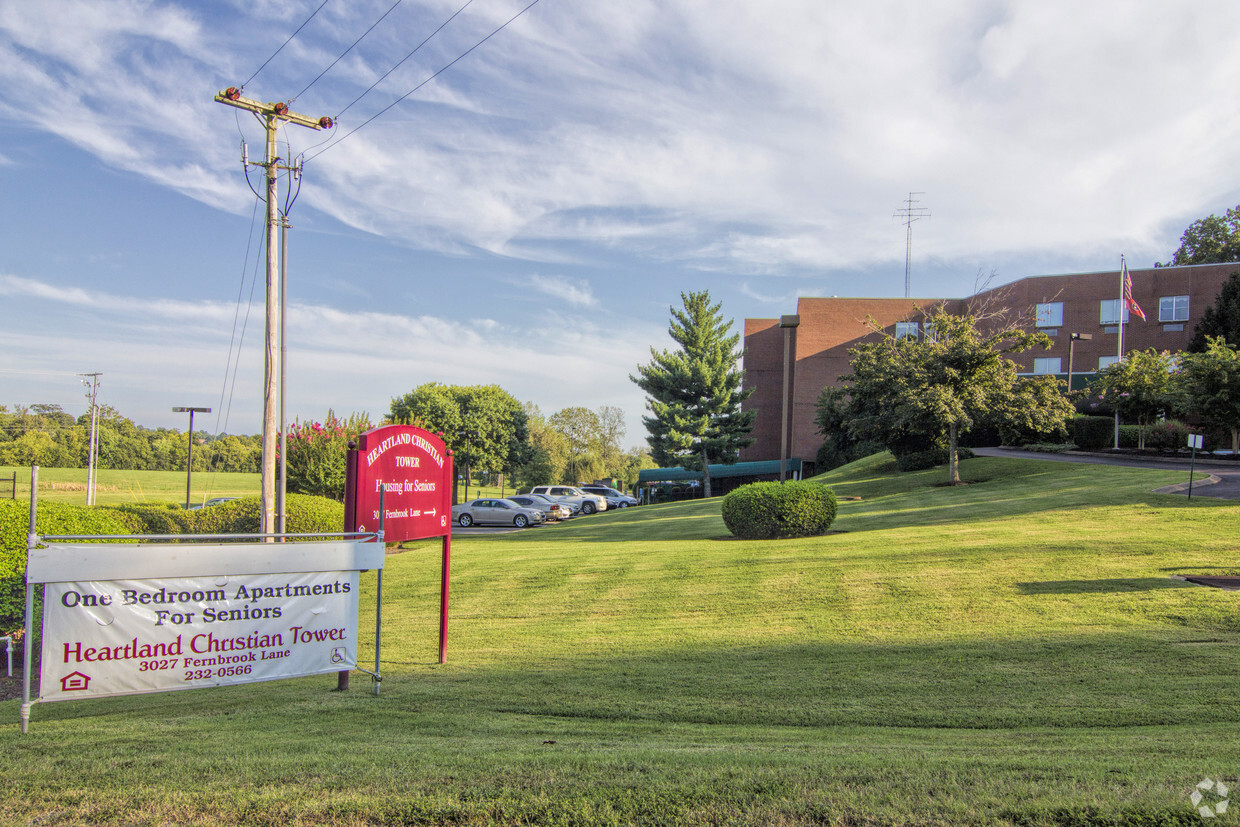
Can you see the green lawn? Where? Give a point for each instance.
(68, 485)
(1013, 651)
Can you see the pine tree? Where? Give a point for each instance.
(694, 392)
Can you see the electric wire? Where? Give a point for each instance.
(405, 58)
(456, 60)
(345, 52)
(220, 410)
(285, 43)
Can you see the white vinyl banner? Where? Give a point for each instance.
(120, 637)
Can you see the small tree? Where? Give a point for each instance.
(909, 394)
(1207, 385)
(694, 393)
(1139, 388)
(317, 454)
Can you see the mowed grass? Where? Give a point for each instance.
(1012, 651)
(68, 485)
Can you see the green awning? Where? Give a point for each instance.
(739, 469)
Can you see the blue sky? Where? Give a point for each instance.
(528, 217)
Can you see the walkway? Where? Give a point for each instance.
(1223, 482)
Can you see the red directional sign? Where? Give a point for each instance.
(413, 470)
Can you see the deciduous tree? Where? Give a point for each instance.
(1207, 385)
(911, 395)
(1209, 240)
(1139, 387)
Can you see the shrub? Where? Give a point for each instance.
(1093, 433)
(1169, 435)
(153, 518)
(922, 460)
(767, 510)
(52, 518)
(306, 515)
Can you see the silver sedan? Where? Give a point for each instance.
(502, 512)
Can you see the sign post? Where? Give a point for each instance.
(403, 474)
(1194, 442)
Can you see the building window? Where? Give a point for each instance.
(1105, 362)
(906, 330)
(1050, 314)
(1173, 309)
(1108, 312)
(1050, 364)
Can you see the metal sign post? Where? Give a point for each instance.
(1194, 442)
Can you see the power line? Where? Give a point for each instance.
(455, 60)
(401, 62)
(346, 51)
(285, 43)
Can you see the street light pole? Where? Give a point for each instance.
(189, 462)
(1071, 346)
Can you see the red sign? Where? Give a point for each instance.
(412, 469)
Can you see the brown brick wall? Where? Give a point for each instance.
(831, 326)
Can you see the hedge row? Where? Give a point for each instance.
(306, 515)
(769, 510)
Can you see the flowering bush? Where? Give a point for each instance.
(316, 454)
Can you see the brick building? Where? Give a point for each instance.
(1173, 298)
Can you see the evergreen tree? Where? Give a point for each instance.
(694, 392)
(1221, 319)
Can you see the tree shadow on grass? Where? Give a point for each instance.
(1100, 586)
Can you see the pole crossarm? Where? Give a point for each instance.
(279, 110)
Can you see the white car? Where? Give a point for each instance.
(588, 503)
(503, 512)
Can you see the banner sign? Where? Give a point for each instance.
(126, 619)
(123, 637)
(411, 467)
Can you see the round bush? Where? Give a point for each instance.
(768, 510)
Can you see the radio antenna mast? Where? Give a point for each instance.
(910, 212)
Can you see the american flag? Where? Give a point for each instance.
(1129, 301)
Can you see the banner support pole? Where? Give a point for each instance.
(31, 539)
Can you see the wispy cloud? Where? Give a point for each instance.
(576, 292)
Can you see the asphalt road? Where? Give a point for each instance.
(1223, 483)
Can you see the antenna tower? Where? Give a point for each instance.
(910, 213)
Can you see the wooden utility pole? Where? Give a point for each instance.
(271, 115)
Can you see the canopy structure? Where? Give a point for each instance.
(662, 484)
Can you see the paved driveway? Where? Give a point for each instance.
(1224, 481)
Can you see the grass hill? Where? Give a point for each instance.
(1012, 651)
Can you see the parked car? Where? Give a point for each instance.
(551, 509)
(615, 499)
(502, 512)
(211, 502)
(589, 503)
(572, 509)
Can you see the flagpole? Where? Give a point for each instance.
(1120, 355)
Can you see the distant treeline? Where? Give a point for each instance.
(45, 435)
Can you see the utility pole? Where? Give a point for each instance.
(93, 450)
(271, 115)
(911, 214)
